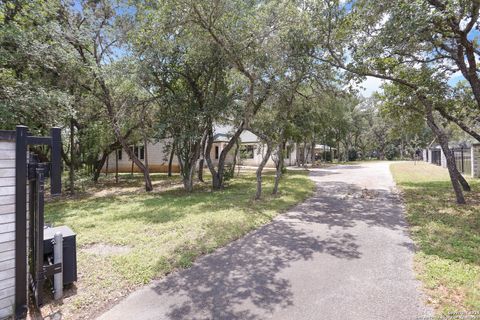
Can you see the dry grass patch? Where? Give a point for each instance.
(447, 236)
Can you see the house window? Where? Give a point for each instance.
(217, 149)
(138, 151)
(119, 154)
(288, 150)
(246, 152)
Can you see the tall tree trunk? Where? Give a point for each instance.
(235, 155)
(131, 170)
(443, 140)
(297, 153)
(116, 166)
(218, 175)
(188, 164)
(304, 153)
(145, 153)
(99, 166)
(201, 163)
(346, 152)
(106, 166)
(72, 158)
(279, 167)
(187, 170)
(170, 161)
(312, 155)
(259, 171)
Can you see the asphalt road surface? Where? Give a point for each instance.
(345, 253)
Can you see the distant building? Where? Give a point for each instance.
(251, 153)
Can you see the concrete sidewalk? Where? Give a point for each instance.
(345, 253)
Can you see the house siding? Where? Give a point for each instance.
(7, 228)
(157, 160)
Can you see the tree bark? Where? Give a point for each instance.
(312, 155)
(100, 164)
(116, 166)
(443, 140)
(218, 175)
(188, 164)
(72, 158)
(235, 155)
(201, 163)
(116, 130)
(106, 166)
(145, 153)
(170, 161)
(259, 171)
(279, 167)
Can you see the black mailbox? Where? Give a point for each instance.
(69, 251)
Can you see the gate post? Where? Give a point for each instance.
(21, 222)
(475, 156)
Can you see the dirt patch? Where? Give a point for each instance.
(106, 249)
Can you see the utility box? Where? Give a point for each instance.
(69, 251)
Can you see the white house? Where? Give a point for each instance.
(251, 153)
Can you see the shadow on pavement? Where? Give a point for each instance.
(246, 273)
(247, 270)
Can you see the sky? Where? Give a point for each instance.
(371, 84)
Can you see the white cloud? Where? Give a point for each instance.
(369, 86)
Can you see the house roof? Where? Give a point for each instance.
(323, 147)
(221, 137)
(222, 133)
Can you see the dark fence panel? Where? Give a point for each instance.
(463, 160)
(436, 157)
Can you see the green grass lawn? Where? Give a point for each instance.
(447, 236)
(128, 237)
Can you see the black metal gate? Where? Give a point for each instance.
(463, 160)
(436, 157)
(35, 172)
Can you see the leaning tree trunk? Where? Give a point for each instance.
(451, 166)
(218, 175)
(259, 171)
(130, 152)
(235, 155)
(170, 161)
(201, 163)
(279, 167)
(99, 165)
(463, 182)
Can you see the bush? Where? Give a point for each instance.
(352, 155)
(229, 172)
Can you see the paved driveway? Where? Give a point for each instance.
(345, 253)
